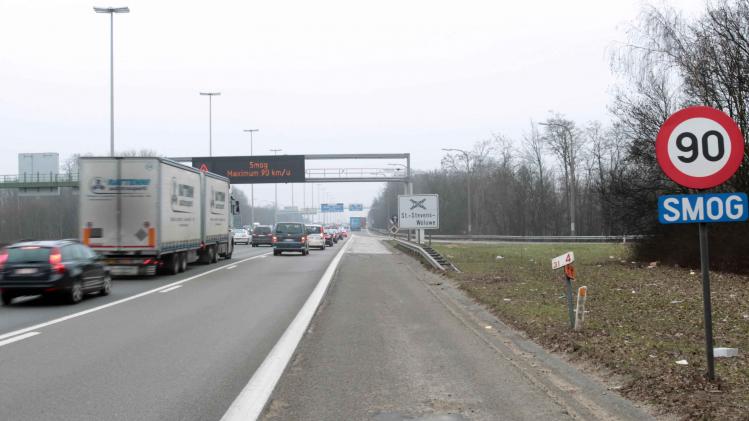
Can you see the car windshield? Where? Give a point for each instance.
(239, 231)
(28, 254)
(261, 230)
(289, 229)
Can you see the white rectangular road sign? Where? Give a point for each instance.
(419, 211)
(562, 260)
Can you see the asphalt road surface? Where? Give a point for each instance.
(392, 341)
(389, 342)
(181, 353)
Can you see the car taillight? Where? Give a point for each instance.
(304, 238)
(3, 258)
(55, 260)
(275, 239)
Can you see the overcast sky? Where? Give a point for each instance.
(313, 76)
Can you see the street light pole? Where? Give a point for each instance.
(275, 206)
(111, 11)
(210, 96)
(467, 157)
(252, 186)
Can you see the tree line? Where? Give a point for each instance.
(605, 178)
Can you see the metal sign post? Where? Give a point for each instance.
(565, 261)
(700, 148)
(707, 305)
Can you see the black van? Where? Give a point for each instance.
(290, 236)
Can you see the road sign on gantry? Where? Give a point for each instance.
(699, 147)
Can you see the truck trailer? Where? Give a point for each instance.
(358, 223)
(149, 214)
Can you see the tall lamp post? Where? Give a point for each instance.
(252, 186)
(210, 96)
(467, 157)
(111, 11)
(275, 186)
(572, 187)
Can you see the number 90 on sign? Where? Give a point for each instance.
(699, 147)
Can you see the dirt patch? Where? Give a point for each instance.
(642, 318)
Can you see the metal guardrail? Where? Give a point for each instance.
(39, 180)
(526, 238)
(420, 251)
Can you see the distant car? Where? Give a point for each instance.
(316, 236)
(344, 232)
(262, 234)
(334, 233)
(329, 237)
(290, 236)
(64, 267)
(241, 236)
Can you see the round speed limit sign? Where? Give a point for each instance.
(699, 147)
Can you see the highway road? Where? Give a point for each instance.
(390, 341)
(152, 352)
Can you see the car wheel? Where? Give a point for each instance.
(7, 298)
(106, 286)
(275, 253)
(75, 295)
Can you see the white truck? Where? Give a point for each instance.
(149, 214)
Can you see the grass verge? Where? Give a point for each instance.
(640, 319)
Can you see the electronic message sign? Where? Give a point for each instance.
(255, 169)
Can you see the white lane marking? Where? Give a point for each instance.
(231, 267)
(114, 303)
(252, 399)
(18, 338)
(170, 289)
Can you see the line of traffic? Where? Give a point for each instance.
(114, 303)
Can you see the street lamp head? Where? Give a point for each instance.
(111, 9)
(252, 130)
(210, 93)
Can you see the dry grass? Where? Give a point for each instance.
(640, 321)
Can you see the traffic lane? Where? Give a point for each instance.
(184, 354)
(382, 347)
(28, 311)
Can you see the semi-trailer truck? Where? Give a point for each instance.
(152, 214)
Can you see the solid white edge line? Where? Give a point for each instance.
(170, 289)
(114, 303)
(253, 397)
(18, 338)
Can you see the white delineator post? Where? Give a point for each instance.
(582, 295)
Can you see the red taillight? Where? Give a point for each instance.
(55, 260)
(304, 238)
(3, 258)
(274, 239)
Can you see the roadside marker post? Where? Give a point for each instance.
(565, 261)
(582, 295)
(701, 148)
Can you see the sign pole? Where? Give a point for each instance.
(570, 305)
(705, 265)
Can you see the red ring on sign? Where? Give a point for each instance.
(719, 177)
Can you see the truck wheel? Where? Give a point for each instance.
(172, 264)
(182, 262)
(214, 254)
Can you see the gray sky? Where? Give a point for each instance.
(314, 77)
